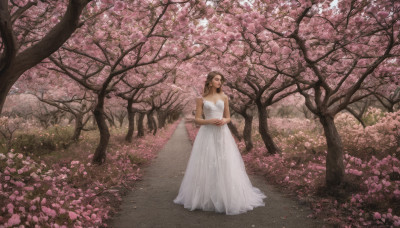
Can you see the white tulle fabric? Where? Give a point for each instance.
(215, 178)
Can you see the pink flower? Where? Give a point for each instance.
(377, 215)
(22, 209)
(19, 184)
(396, 192)
(119, 5)
(74, 162)
(286, 178)
(14, 220)
(72, 215)
(49, 211)
(10, 208)
(28, 188)
(383, 14)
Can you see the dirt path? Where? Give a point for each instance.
(150, 204)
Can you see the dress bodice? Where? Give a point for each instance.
(212, 110)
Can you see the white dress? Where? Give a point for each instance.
(215, 177)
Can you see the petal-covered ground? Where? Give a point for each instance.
(63, 188)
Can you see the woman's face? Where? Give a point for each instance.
(216, 81)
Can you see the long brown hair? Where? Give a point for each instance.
(210, 77)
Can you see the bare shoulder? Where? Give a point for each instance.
(199, 100)
(225, 97)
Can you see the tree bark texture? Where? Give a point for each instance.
(248, 121)
(100, 153)
(263, 130)
(334, 158)
(131, 122)
(140, 132)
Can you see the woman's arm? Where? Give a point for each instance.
(227, 115)
(199, 111)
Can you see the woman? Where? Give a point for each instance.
(215, 177)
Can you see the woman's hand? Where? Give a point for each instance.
(218, 122)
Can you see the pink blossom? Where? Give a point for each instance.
(286, 178)
(377, 215)
(119, 5)
(10, 208)
(383, 14)
(28, 188)
(49, 211)
(19, 184)
(72, 215)
(74, 162)
(396, 192)
(54, 19)
(14, 220)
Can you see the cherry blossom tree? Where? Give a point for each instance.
(78, 107)
(128, 37)
(245, 109)
(333, 53)
(32, 30)
(339, 51)
(132, 92)
(388, 95)
(61, 93)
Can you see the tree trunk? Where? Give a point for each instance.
(390, 108)
(140, 132)
(234, 130)
(131, 122)
(263, 129)
(93, 121)
(334, 158)
(149, 122)
(78, 127)
(100, 154)
(71, 118)
(161, 119)
(154, 123)
(248, 121)
(121, 121)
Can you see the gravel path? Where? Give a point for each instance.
(150, 204)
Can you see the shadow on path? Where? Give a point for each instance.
(151, 203)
